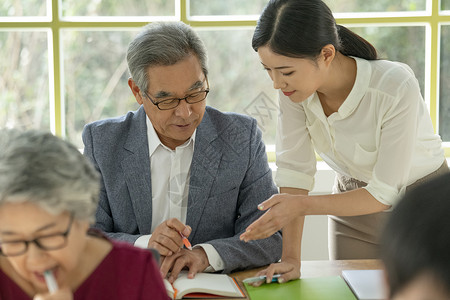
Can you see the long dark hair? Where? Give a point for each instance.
(416, 238)
(301, 28)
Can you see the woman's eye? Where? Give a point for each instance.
(288, 74)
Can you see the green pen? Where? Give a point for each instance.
(261, 278)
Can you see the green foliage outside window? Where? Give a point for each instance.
(93, 72)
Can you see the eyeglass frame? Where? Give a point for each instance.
(179, 99)
(36, 240)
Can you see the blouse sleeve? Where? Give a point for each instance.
(397, 143)
(295, 156)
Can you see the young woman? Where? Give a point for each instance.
(364, 117)
(48, 197)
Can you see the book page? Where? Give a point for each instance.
(218, 284)
(169, 288)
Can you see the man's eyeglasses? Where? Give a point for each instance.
(171, 103)
(46, 242)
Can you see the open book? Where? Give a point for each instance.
(204, 285)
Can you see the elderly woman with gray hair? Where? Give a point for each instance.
(48, 197)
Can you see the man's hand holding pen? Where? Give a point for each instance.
(168, 237)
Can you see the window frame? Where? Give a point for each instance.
(432, 18)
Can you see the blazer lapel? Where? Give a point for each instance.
(136, 168)
(204, 167)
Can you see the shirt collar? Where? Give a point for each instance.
(154, 141)
(360, 87)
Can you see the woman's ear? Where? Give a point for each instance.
(327, 54)
(83, 224)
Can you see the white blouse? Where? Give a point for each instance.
(382, 134)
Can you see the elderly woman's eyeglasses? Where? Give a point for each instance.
(171, 103)
(46, 242)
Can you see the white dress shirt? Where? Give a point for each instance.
(382, 134)
(170, 171)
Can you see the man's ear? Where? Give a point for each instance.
(327, 54)
(135, 90)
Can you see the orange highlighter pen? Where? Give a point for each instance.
(186, 242)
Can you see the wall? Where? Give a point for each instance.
(315, 232)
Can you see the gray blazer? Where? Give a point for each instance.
(229, 177)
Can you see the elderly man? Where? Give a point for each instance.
(177, 168)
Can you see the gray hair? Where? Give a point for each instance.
(39, 168)
(163, 44)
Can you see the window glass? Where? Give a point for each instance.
(444, 85)
(243, 86)
(95, 78)
(229, 7)
(237, 80)
(24, 80)
(445, 4)
(349, 6)
(118, 8)
(392, 43)
(96, 74)
(238, 7)
(23, 8)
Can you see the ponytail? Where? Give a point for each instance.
(301, 28)
(354, 45)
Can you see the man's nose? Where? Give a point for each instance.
(183, 109)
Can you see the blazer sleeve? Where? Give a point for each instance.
(256, 187)
(104, 220)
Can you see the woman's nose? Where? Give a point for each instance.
(34, 253)
(278, 82)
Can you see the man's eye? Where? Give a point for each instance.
(171, 100)
(288, 74)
